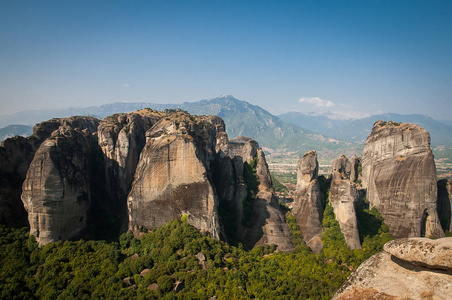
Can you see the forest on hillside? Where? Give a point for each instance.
(176, 261)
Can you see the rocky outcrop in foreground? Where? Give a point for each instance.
(414, 268)
(343, 196)
(308, 209)
(400, 175)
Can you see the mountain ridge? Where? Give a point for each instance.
(357, 130)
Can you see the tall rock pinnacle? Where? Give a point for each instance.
(400, 175)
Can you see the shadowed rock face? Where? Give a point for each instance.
(308, 209)
(56, 191)
(343, 196)
(445, 203)
(16, 155)
(354, 163)
(400, 175)
(269, 226)
(121, 138)
(173, 176)
(414, 268)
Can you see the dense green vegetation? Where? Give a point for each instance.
(278, 186)
(97, 269)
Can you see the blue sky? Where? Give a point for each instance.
(340, 58)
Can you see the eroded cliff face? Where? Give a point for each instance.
(400, 175)
(56, 191)
(308, 208)
(121, 138)
(16, 155)
(445, 203)
(268, 220)
(343, 196)
(414, 268)
(173, 177)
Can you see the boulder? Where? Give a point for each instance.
(388, 276)
(400, 175)
(435, 254)
(308, 208)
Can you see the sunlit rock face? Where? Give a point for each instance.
(308, 208)
(343, 196)
(409, 268)
(400, 175)
(56, 191)
(173, 176)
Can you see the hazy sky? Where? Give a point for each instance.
(348, 58)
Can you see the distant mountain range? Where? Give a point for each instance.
(293, 133)
(358, 130)
(13, 130)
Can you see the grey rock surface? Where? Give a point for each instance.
(389, 276)
(308, 208)
(269, 226)
(56, 191)
(400, 175)
(173, 176)
(343, 196)
(436, 254)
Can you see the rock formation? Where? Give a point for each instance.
(445, 204)
(56, 191)
(121, 138)
(268, 220)
(308, 208)
(343, 196)
(400, 175)
(414, 268)
(173, 176)
(243, 147)
(354, 168)
(16, 155)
